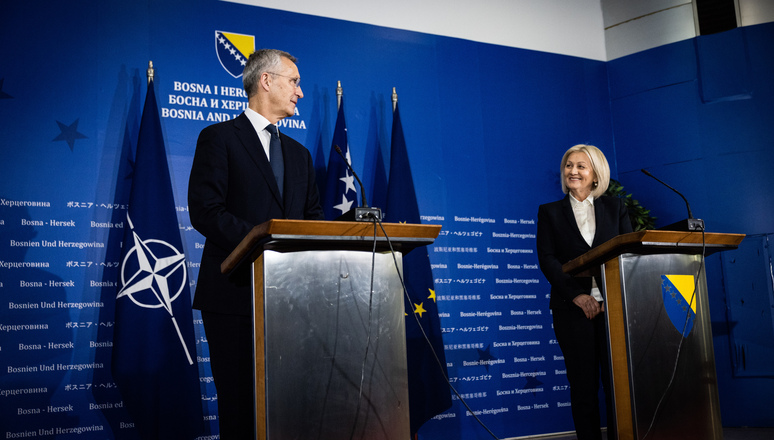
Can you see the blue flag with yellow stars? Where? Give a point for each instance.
(429, 393)
(154, 353)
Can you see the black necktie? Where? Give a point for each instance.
(275, 156)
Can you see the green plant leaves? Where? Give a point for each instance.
(639, 216)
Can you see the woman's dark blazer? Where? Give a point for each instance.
(559, 240)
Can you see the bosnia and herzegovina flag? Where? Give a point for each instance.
(429, 393)
(340, 190)
(679, 301)
(154, 352)
(233, 50)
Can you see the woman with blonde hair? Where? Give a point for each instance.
(568, 228)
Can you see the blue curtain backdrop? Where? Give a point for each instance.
(484, 154)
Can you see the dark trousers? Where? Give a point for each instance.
(230, 340)
(584, 345)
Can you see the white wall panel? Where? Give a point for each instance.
(647, 32)
(567, 27)
(756, 11)
(593, 29)
(618, 11)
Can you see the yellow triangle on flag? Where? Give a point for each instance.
(685, 285)
(245, 44)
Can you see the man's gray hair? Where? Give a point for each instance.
(260, 61)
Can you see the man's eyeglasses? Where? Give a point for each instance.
(296, 81)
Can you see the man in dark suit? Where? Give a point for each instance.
(245, 173)
(568, 228)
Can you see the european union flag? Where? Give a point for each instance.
(429, 393)
(340, 190)
(154, 353)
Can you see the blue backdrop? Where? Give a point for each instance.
(485, 127)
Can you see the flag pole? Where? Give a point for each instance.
(394, 99)
(150, 72)
(339, 92)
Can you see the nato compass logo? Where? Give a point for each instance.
(233, 51)
(151, 271)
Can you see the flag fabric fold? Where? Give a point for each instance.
(429, 394)
(154, 361)
(340, 189)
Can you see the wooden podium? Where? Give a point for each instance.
(330, 357)
(639, 272)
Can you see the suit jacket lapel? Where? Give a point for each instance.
(599, 214)
(252, 143)
(569, 216)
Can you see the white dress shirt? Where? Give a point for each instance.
(584, 217)
(259, 124)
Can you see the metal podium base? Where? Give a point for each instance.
(335, 356)
(689, 409)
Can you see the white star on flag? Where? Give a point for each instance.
(349, 181)
(345, 204)
(152, 269)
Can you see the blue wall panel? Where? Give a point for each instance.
(657, 127)
(716, 152)
(654, 68)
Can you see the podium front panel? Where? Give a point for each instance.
(335, 355)
(655, 292)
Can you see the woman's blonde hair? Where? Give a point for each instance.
(599, 166)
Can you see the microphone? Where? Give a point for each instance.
(361, 213)
(689, 224)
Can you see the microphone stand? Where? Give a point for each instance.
(687, 225)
